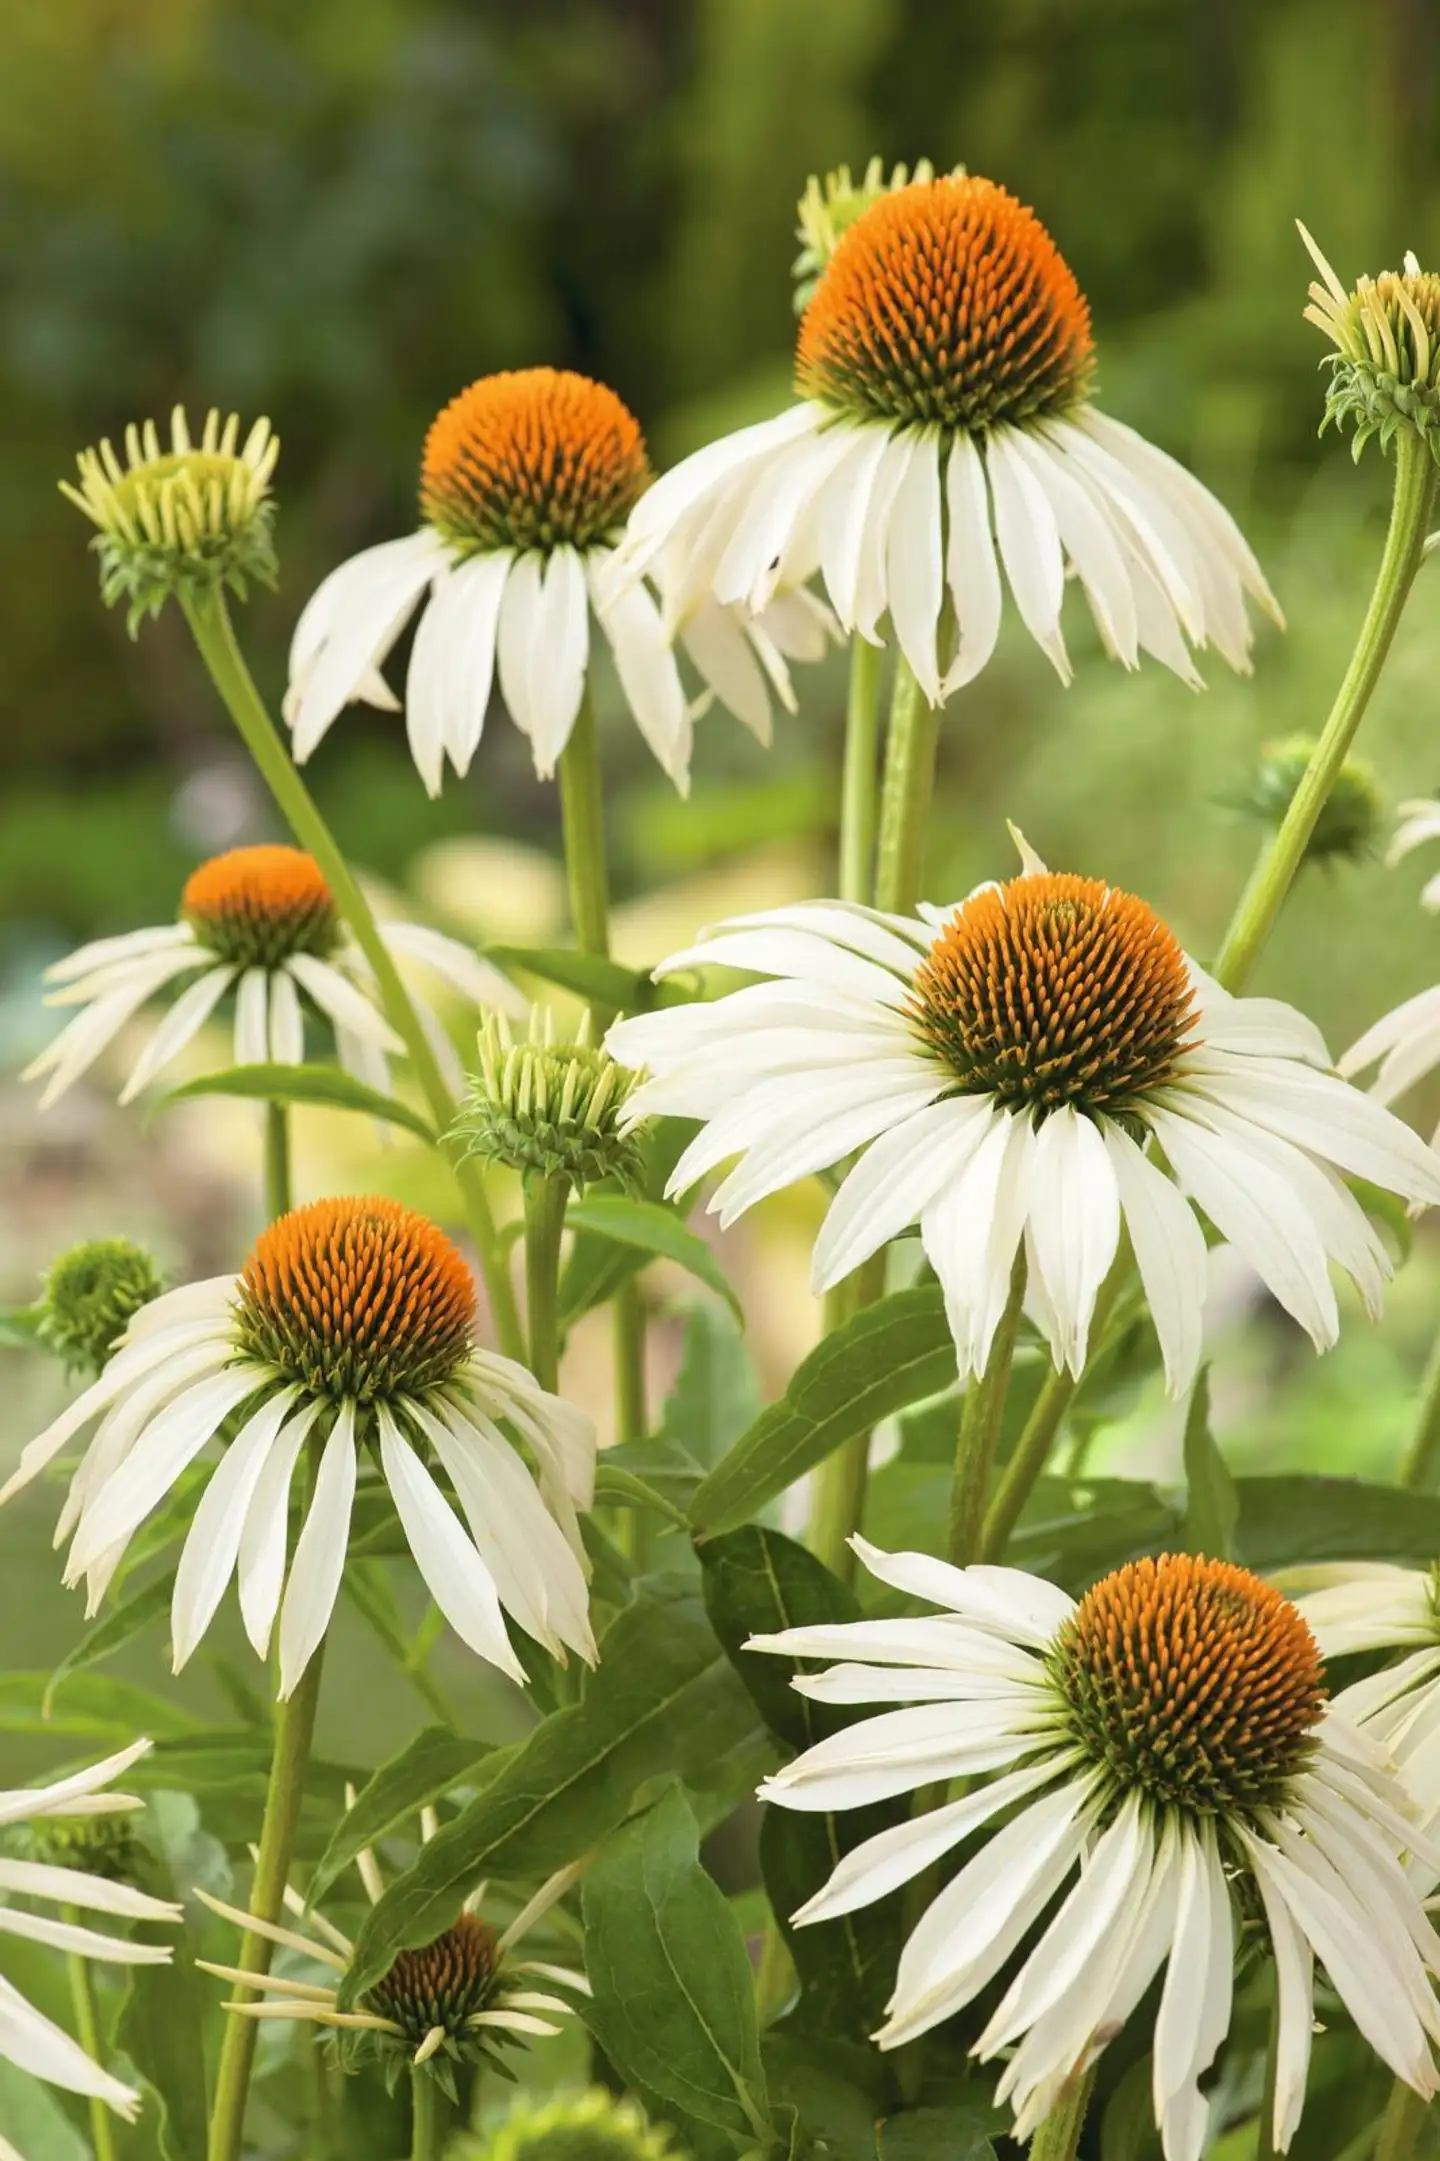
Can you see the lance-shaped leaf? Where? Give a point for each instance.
(427, 1767)
(673, 2002)
(1283, 1521)
(663, 1701)
(1211, 1504)
(892, 1353)
(137, 1611)
(655, 1232)
(756, 1583)
(589, 976)
(326, 1085)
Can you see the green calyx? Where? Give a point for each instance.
(829, 207)
(550, 1109)
(593, 2126)
(1385, 370)
(104, 1845)
(89, 1297)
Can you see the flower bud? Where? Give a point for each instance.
(594, 2126)
(1348, 827)
(829, 207)
(89, 1296)
(1385, 370)
(184, 521)
(549, 1108)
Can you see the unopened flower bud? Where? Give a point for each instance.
(829, 207)
(1348, 827)
(549, 1108)
(89, 1297)
(184, 520)
(594, 2126)
(1385, 370)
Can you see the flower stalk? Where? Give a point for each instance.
(1058, 2138)
(860, 772)
(277, 1160)
(427, 2116)
(1400, 2126)
(214, 634)
(545, 1202)
(980, 1423)
(87, 2029)
(1410, 511)
(294, 1734)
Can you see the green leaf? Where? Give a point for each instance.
(714, 1399)
(836, 2090)
(663, 1701)
(960, 2131)
(20, 1327)
(161, 2029)
(1074, 1530)
(1288, 1520)
(95, 1708)
(673, 2002)
(892, 1353)
(756, 1583)
(125, 1620)
(652, 1229)
(615, 1487)
(597, 1266)
(590, 976)
(425, 1768)
(327, 1085)
(32, 2115)
(1211, 1504)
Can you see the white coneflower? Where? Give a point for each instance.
(454, 2001)
(350, 1325)
(27, 2037)
(1156, 1751)
(945, 431)
(259, 924)
(1376, 1606)
(1406, 1042)
(527, 480)
(1002, 1065)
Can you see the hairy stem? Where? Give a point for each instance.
(427, 2117)
(1400, 2126)
(1274, 874)
(980, 1423)
(1058, 2138)
(278, 1201)
(214, 634)
(545, 1200)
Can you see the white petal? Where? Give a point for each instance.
(464, 970)
(342, 1003)
(81, 1042)
(106, 952)
(1089, 540)
(1029, 545)
(715, 642)
(1169, 1250)
(1023, 1606)
(894, 1182)
(320, 1550)
(913, 580)
(261, 1558)
(843, 517)
(971, 1233)
(180, 1026)
(287, 1022)
(212, 1544)
(648, 676)
(452, 1568)
(46, 2051)
(1194, 2014)
(452, 666)
(872, 588)
(59, 1796)
(252, 1018)
(971, 572)
(358, 613)
(1074, 1223)
(168, 1445)
(74, 1887)
(680, 495)
(559, 652)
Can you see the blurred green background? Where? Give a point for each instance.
(341, 212)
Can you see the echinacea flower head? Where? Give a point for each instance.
(1385, 369)
(591, 2126)
(1405, 1043)
(463, 1999)
(258, 924)
(1348, 826)
(1165, 1766)
(1368, 1606)
(526, 482)
(350, 1329)
(1027, 1069)
(187, 518)
(549, 1108)
(27, 2037)
(946, 432)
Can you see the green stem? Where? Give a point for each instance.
(1265, 2149)
(837, 1495)
(277, 1160)
(1031, 1452)
(838, 1505)
(87, 2028)
(980, 1430)
(294, 1731)
(545, 1200)
(860, 773)
(1421, 1466)
(1260, 904)
(1058, 2138)
(214, 634)
(631, 1413)
(910, 747)
(1400, 2125)
(427, 2117)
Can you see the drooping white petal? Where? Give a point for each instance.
(1074, 1223)
(894, 1182)
(127, 946)
(1029, 546)
(872, 587)
(556, 662)
(180, 1026)
(172, 1441)
(252, 1017)
(1169, 1248)
(913, 566)
(972, 1230)
(261, 1555)
(212, 1544)
(348, 628)
(75, 1049)
(341, 1002)
(450, 1564)
(649, 677)
(59, 1797)
(37, 2045)
(452, 665)
(319, 1562)
(287, 1022)
(1089, 540)
(1010, 1600)
(76, 1887)
(972, 574)
(464, 970)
